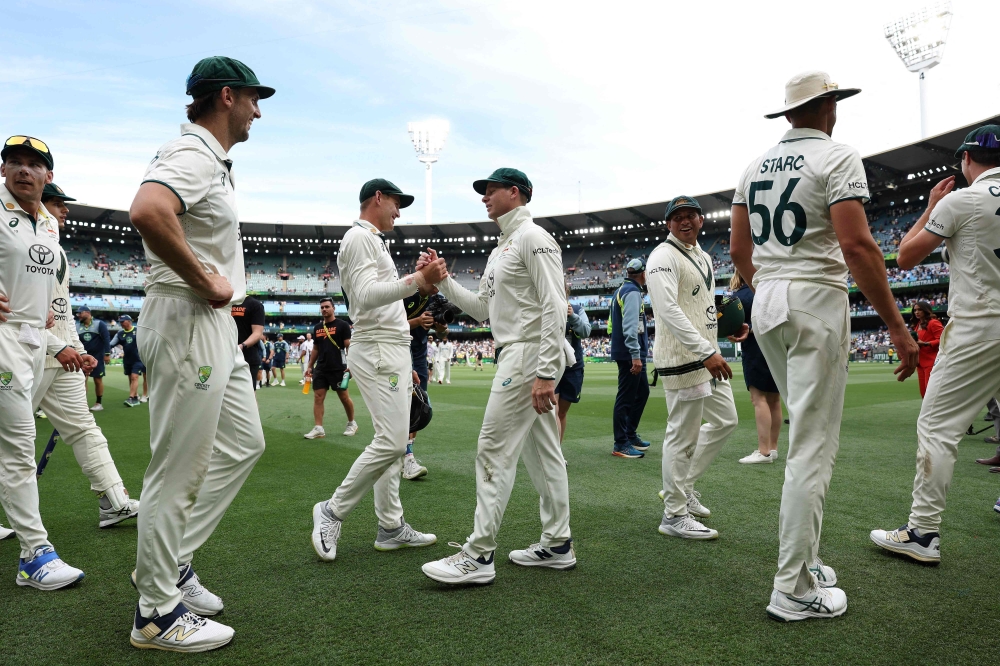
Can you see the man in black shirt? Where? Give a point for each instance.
(327, 369)
(420, 322)
(249, 317)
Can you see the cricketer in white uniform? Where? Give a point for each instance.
(522, 294)
(967, 370)
(63, 395)
(380, 364)
(305, 351)
(205, 430)
(681, 287)
(29, 252)
(443, 361)
(798, 223)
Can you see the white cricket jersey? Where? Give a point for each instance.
(969, 220)
(521, 291)
(199, 172)
(788, 192)
(29, 259)
(62, 312)
(305, 349)
(372, 288)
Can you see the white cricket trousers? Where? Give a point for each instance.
(63, 397)
(446, 370)
(512, 430)
(965, 376)
(808, 356)
(383, 373)
(690, 447)
(205, 435)
(20, 365)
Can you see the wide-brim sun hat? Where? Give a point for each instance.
(807, 86)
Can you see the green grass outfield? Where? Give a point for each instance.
(635, 597)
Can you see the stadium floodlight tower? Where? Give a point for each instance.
(918, 39)
(428, 139)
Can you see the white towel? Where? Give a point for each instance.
(770, 305)
(569, 353)
(696, 392)
(29, 336)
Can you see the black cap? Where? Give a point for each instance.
(29, 143)
(217, 72)
(681, 202)
(508, 178)
(53, 191)
(384, 186)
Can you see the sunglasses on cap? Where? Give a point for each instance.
(37, 144)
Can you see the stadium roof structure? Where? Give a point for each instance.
(888, 172)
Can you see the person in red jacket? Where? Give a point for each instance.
(928, 339)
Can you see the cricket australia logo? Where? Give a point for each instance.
(204, 372)
(5, 378)
(393, 382)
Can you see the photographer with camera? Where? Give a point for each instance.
(421, 310)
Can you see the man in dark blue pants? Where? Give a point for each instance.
(629, 345)
(420, 321)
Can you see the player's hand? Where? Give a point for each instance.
(69, 358)
(907, 351)
(718, 367)
(89, 364)
(107, 358)
(543, 395)
(939, 191)
(50, 321)
(426, 320)
(428, 290)
(569, 309)
(217, 291)
(742, 335)
(434, 272)
(424, 259)
(4, 307)
(416, 378)
(309, 373)
(636, 366)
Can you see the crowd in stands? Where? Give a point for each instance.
(938, 301)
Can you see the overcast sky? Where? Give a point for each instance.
(602, 104)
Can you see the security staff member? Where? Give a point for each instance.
(522, 294)
(131, 362)
(205, 431)
(629, 346)
(327, 368)
(420, 322)
(96, 340)
(280, 356)
(249, 317)
(29, 248)
(380, 363)
(571, 385)
(63, 395)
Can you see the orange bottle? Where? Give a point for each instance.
(305, 387)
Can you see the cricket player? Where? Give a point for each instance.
(967, 371)
(686, 355)
(29, 252)
(522, 294)
(798, 225)
(205, 431)
(280, 356)
(328, 370)
(63, 395)
(93, 333)
(305, 352)
(133, 366)
(445, 352)
(380, 363)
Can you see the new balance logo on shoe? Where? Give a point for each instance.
(466, 566)
(179, 634)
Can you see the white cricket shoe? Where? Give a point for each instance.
(352, 429)
(686, 527)
(448, 382)
(552, 557)
(756, 458)
(97, 408)
(326, 531)
(695, 507)
(773, 455)
(144, 398)
(403, 536)
(662, 494)
(281, 383)
(412, 469)
(910, 542)
(6, 533)
(45, 571)
(316, 432)
(818, 602)
(112, 516)
(180, 631)
(461, 568)
(195, 595)
(825, 576)
(40, 414)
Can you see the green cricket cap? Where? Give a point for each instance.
(215, 73)
(986, 137)
(681, 202)
(53, 191)
(508, 178)
(384, 186)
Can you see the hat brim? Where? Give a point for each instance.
(842, 93)
(405, 200)
(673, 210)
(263, 91)
(480, 186)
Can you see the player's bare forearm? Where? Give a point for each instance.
(741, 244)
(915, 246)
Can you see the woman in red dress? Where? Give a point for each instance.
(928, 339)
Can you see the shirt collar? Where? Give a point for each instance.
(989, 173)
(509, 222)
(804, 133)
(682, 244)
(209, 139)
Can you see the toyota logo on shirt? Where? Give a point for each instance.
(60, 306)
(41, 255)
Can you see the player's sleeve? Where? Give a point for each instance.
(186, 169)
(740, 196)
(114, 342)
(846, 177)
(476, 304)
(106, 337)
(53, 345)
(543, 259)
(662, 283)
(256, 313)
(580, 323)
(357, 259)
(630, 322)
(944, 220)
